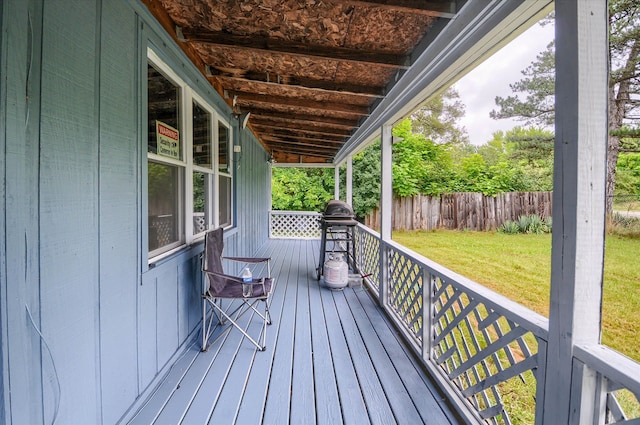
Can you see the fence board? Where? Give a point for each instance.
(466, 210)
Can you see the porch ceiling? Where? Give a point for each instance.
(309, 72)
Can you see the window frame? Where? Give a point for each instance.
(189, 96)
(228, 175)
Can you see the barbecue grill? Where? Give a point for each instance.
(338, 225)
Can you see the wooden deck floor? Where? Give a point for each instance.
(331, 358)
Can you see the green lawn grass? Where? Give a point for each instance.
(519, 267)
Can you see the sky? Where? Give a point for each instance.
(479, 88)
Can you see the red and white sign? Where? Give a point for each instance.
(168, 140)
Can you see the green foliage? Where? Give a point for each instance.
(531, 224)
(628, 174)
(366, 180)
(298, 189)
(509, 227)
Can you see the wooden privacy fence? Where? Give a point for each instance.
(467, 210)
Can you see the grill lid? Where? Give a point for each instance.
(338, 209)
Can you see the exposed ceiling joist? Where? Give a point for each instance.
(286, 148)
(247, 99)
(309, 126)
(292, 48)
(443, 9)
(301, 118)
(316, 145)
(302, 83)
(336, 136)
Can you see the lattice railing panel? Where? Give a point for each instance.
(405, 291)
(368, 256)
(295, 225)
(484, 354)
(623, 407)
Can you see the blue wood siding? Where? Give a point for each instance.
(19, 278)
(119, 239)
(87, 327)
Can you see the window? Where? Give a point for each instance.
(188, 157)
(203, 173)
(225, 175)
(165, 163)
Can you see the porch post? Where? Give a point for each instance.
(386, 201)
(336, 182)
(578, 206)
(349, 180)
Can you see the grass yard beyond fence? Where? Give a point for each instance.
(519, 267)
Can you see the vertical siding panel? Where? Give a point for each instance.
(118, 210)
(19, 143)
(167, 315)
(69, 208)
(147, 330)
(189, 287)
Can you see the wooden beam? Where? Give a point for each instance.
(303, 119)
(337, 136)
(317, 128)
(445, 9)
(333, 144)
(278, 147)
(247, 100)
(301, 83)
(274, 141)
(265, 44)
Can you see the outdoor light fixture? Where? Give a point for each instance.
(243, 119)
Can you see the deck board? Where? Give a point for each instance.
(332, 358)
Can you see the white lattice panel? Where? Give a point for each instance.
(295, 225)
(486, 355)
(368, 256)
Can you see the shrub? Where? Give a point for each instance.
(622, 225)
(527, 224)
(509, 227)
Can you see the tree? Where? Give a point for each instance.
(538, 106)
(538, 84)
(438, 119)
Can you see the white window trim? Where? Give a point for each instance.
(187, 97)
(230, 159)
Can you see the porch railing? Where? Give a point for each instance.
(486, 351)
(294, 225)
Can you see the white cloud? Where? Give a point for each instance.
(479, 88)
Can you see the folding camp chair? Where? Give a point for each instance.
(223, 293)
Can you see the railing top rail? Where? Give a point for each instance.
(529, 319)
(295, 212)
(610, 363)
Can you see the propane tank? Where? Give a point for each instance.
(336, 272)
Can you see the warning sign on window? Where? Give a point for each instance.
(168, 140)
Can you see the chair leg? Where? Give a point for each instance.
(261, 347)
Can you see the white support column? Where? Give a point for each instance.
(386, 185)
(349, 180)
(578, 202)
(386, 202)
(336, 182)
